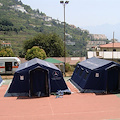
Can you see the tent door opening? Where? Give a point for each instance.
(113, 79)
(39, 85)
(8, 67)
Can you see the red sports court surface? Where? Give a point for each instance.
(77, 106)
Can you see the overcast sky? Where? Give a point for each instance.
(81, 13)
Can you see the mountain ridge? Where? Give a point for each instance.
(106, 29)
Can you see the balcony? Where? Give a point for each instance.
(104, 54)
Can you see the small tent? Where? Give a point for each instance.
(97, 75)
(0, 81)
(36, 78)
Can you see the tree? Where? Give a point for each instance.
(6, 52)
(35, 52)
(51, 43)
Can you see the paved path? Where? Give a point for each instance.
(77, 106)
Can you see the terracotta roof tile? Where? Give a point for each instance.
(6, 43)
(110, 45)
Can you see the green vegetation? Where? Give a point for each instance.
(6, 52)
(51, 43)
(69, 68)
(18, 27)
(35, 52)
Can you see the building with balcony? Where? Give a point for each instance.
(109, 51)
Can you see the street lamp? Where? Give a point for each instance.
(64, 3)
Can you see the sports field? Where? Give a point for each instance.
(77, 106)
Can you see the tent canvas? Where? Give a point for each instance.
(36, 78)
(97, 75)
(57, 62)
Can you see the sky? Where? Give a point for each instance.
(81, 13)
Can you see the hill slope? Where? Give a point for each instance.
(18, 22)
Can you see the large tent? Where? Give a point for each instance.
(97, 75)
(36, 78)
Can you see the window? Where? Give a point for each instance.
(114, 49)
(86, 74)
(77, 69)
(1, 64)
(81, 71)
(16, 64)
(21, 77)
(97, 75)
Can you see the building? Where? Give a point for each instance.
(92, 44)
(1, 4)
(6, 44)
(19, 8)
(47, 19)
(110, 47)
(48, 25)
(68, 42)
(109, 51)
(68, 35)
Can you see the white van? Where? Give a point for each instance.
(8, 65)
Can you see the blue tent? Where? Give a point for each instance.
(36, 78)
(96, 75)
(0, 80)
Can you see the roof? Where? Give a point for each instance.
(52, 60)
(35, 61)
(71, 60)
(110, 45)
(94, 63)
(6, 43)
(10, 58)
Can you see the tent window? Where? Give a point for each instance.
(77, 69)
(86, 74)
(81, 71)
(21, 77)
(97, 75)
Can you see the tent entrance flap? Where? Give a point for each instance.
(39, 85)
(113, 79)
(119, 82)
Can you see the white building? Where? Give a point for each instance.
(47, 19)
(1, 4)
(19, 7)
(109, 51)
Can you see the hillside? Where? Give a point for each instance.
(18, 22)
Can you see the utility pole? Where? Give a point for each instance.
(64, 4)
(113, 48)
